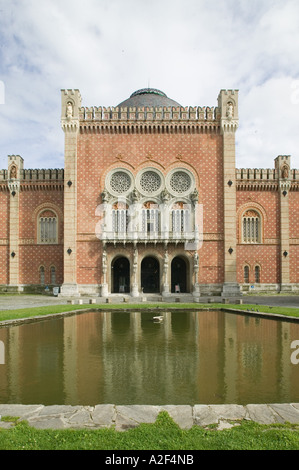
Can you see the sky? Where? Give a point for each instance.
(189, 49)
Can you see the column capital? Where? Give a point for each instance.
(284, 186)
(229, 125)
(13, 186)
(70, 125)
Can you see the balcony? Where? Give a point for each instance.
(191, 239)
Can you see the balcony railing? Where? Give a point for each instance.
(151, 236)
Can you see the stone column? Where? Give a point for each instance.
(15, 166)
(104, 286)
(228, 104)
(165, 288)
(70, 102)
(196, 290)
(134, 292)
(282, 168)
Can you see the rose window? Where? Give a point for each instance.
(180, 182)
(120, 182)
(150, 182)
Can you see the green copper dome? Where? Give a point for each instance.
(148, 97)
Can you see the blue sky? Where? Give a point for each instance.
(190, 49)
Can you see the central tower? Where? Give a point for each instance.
(150, 197)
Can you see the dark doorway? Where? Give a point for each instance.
(120, 276)
(178, 275)
(150, 275)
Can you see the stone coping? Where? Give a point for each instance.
(255, 313)
(123, 417)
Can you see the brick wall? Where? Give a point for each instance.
(100, 153)
(33, 255)
(267, 254)
(294, 235)
(4, 235)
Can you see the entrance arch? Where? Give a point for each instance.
(120, 275)
(150, 275)
(179, 275)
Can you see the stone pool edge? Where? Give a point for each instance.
(38, 318)
(123, 417)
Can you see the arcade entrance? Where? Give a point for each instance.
(178, 275)
(120, 276)
(150, 275)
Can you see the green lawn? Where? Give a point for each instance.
(56, 309)
(164, 434)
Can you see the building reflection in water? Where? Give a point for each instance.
(126, 358)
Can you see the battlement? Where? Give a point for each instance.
(264, 174)
(149, 114)
(36, 175)
(246, 174)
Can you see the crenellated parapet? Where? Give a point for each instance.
(149, 114)
(32, 180)
(266, 179)
(56, 174)
(150, 119)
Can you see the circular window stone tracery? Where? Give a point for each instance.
(150, 182)
(180, 182)
(120, 182)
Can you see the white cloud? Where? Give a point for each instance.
(271, 127)
(188, 48)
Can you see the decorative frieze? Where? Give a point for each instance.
(149, 113)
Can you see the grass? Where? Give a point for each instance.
(57, 309)
(164, 434)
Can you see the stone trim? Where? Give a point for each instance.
(123, 417)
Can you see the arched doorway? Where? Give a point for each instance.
(150, 275)
(178, 275)
(120, 275)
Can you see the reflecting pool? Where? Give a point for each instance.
(126, 358)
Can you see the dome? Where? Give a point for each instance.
(148, 97)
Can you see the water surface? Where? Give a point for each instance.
(207, 357)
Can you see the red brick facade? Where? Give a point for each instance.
(55, 223)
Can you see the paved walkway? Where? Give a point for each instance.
(8, 302)
(125, 417)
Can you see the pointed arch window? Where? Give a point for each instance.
(246, 274)
(251, 227)
(42, 275)
(120, 218)
(53, 275)
(47, 227)
(257, 274)
(180, 218)
(150, 218)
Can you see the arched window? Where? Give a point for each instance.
(150, 218)
(53, 275)
(120, 217)
(246, 274)
(47, 227)
(180, 218)
(42, 275)
(257, 274)
(251, 223)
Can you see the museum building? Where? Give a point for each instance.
(149, 202)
